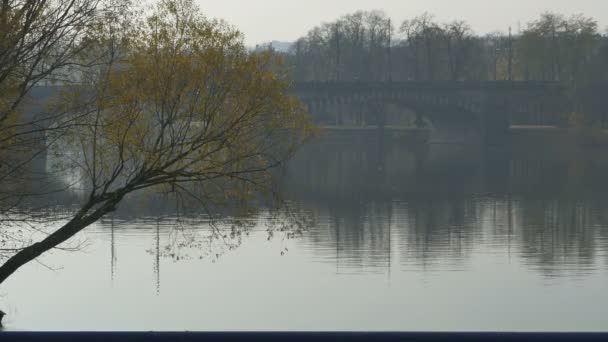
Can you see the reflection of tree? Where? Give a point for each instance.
(553, 230)
(557, 234)
(549, 213)
(553, 236)
(439, 231)
(356, 232)
(430, 215)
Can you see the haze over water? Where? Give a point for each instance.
(405, 237)
(433, 165)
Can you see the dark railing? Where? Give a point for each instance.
(301, 337)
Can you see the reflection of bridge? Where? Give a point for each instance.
(346, 169)
(491, 106)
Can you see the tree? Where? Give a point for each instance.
(426, 35)
(360, 46)
(37, 38)
(496, 46)
(39, 44)
(184, 106)
(410, 29)
(378, 37)
(558, 48)
(459, 46)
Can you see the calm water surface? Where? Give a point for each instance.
(406, 238)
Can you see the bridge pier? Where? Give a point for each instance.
(495, 124)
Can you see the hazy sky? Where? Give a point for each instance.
(286, 20)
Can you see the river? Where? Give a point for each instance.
(404, 237)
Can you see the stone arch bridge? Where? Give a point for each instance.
(491, 107)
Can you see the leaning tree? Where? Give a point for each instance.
(179, 103)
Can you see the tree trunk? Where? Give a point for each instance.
(77, 224)
(451, 62)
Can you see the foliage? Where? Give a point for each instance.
(558, 48)
(363, 46)
(40, 42)
(178, 105)
(354, 47)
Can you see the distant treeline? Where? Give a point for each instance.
(368, 46)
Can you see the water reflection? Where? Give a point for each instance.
(405, 237)
(384, 205)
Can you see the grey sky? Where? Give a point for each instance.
(286, 20)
